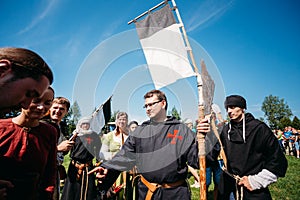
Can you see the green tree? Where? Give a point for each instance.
(175, 113)
(67, 124)
(70, 120)
(284, 122)
(75, 112)
(296, 123)
(113, 116)
(275, 109)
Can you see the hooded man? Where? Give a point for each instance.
(253, 154)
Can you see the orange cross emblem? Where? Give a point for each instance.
(174, 136)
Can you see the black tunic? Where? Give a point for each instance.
(161, 152)
(86, 147)
(260, 151)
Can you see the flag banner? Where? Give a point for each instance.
(101, 116)
(164, 47)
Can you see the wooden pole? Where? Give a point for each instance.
(188, 46)
(200, 136)
(202, 157)
(201, 143)
(222, 152)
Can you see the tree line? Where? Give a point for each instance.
(276, 111)
(278, 114)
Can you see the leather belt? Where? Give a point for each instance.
(80, 167)
(152, 187)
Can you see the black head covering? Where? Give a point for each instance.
(235, 100)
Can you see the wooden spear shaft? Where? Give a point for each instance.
(201, 142)
(200, 136)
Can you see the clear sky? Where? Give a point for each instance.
(251, 47)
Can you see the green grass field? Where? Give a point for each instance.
(287, 188)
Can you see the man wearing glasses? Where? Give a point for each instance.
(161, 148)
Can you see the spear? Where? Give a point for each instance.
(205, 87)
(205, 91)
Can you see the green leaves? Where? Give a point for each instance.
(275, 110)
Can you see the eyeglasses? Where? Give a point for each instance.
(151, 104)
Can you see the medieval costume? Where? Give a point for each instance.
(61, 171)
(78, 184)
(252, 150)
(111, 144)
(161, 152)
(28, 159)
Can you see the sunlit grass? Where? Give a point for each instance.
(286, 188)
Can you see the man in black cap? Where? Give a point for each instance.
(254, 158)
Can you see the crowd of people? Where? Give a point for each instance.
(147, 161)
(289, 140)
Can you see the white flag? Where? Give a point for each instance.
(163, 47)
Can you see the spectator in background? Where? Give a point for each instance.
(57, 112)
(112, 143)
(218, 115)
(130, 176)
(213, 168)
(213, 159)
(288, 140)
(279, 136)
(132, 125)
(296, 141)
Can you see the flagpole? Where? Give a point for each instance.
(200, 136)
(153, 8)
(185, 36)
(100, 107)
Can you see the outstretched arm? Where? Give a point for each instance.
(100, 173)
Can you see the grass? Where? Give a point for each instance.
(286, 188)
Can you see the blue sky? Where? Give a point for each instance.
(252, 48)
